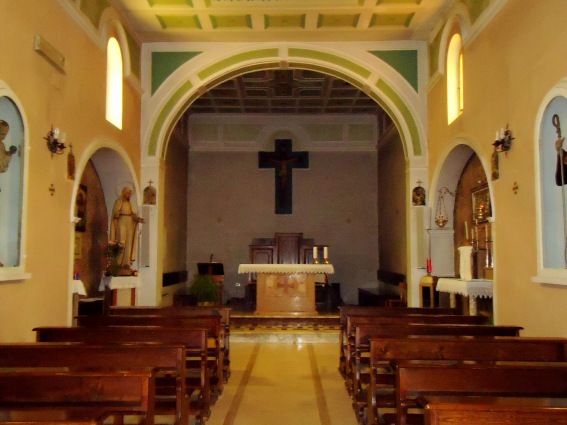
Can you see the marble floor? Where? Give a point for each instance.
(284, 383)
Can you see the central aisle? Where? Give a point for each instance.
(284, 384)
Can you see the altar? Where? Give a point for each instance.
(286, 288)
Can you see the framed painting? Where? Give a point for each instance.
(481, 207)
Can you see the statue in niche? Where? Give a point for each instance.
(123, 232)
(150, 194)
(5, 155)
(418, 195)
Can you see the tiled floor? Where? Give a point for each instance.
(284, 383)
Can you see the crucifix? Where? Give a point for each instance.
(283, 160)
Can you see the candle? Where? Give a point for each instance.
(325, 252)
(315, 253)
(466, 230)
(429, 265)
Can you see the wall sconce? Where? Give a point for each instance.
(503, 141)
(55, 144)
(441, 217)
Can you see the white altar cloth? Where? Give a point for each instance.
(469, 288)
(119, 282)
(286, 268)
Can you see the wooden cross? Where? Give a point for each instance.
(283, 160)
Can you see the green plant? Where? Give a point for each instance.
(204, 288)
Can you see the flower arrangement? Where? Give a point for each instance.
(113, 251)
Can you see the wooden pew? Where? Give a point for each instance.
(193, 339)
(512, 379)
(473, 410)
(211, 323)
(167, 359)
(383, 351)
(183, 311)
(352, 321)
(74, 393)
(350, 310)
(359, 346)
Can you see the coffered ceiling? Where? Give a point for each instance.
(265, 20)
(282, 91)
(285, 91)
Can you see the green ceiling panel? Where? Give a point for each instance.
(284, 21)
(434, 48)
(391, 19)
(163, 114)
(330, 58)
(93, 10)
(338, 21)
(231, 21)
(179, 21)
(475, 8)
(135, 54)
(378, 2)
(233, 60)
(153, 3)
(165, 63)
(406, 114)
(403, 61)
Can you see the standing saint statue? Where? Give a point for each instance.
(123, 230)
(5, 155)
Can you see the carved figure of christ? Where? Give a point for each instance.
(283, 160)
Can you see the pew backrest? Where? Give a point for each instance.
(114, 392)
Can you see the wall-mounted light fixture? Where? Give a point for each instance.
(503, 141)
(55, 143)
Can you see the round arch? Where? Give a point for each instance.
(375, 77)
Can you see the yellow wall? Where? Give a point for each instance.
(74, 102)
(509, 69)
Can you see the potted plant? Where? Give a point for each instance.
(205, 289)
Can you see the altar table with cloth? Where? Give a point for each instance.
(469, 288)
(286, 288)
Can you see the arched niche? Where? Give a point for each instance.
(447, 177)
(12, 167)
(552, 211)
(102, 175)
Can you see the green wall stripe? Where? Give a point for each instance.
(330, 58)
(403, 61)
(165, 63)
(408, 117)
(233, 60)
(165, 111)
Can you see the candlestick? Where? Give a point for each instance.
(466, 230)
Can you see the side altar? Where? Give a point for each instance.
(286, 288)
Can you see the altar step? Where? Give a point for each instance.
(284, 328)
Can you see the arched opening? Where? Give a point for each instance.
(229, 204)
(114, 80)
(99, 185)
(463, 187)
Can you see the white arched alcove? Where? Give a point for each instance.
(115, 170)
(551, 214)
